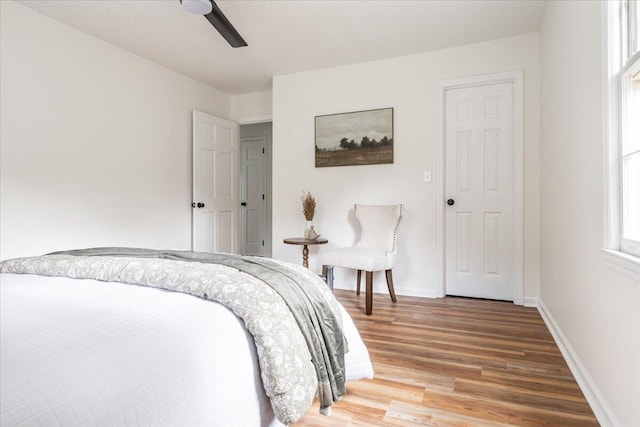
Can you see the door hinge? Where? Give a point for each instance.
(263, 243)
(263, 197)
(263, 151)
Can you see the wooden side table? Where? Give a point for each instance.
(304, 242)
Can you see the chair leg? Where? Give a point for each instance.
(390, 285)
(358, 282)
(369, 280)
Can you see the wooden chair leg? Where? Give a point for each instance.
(369, 280)
(358, 282)
(390, 285)
(324, 272)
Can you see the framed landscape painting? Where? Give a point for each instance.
(356, 138)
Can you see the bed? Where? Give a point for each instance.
(79, 348)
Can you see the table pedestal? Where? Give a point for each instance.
(305, 246)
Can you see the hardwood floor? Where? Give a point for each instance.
(454, 362)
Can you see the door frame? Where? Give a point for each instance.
(515, 78)
(243, 212)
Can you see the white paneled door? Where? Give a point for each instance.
(253, 219)
(479, 191)
(215, 184)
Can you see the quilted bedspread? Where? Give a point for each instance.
(289, 378)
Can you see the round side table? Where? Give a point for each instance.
(305, 249)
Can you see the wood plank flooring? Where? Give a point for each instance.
(456, 362)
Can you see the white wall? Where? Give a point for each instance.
(410, 85)
(95, 141)
(596, 308)
(254, 107)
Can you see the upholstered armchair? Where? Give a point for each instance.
(375, 251)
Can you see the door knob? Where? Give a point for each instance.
(450, 202)
(243, 204)
(200, 205)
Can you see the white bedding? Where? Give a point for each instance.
(83, 352)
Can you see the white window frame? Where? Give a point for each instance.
(614, 46)
(632, 68)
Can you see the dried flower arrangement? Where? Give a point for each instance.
(308, 205)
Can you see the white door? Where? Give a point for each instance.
(479, 191)
(215, 184)
(253, 215)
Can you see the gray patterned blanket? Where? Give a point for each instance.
(291, 314)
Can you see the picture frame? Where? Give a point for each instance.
(354, 138)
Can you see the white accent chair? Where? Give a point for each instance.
(376, 250)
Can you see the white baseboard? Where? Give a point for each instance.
(596, 400)
(425, 293)
(530, 302)
(407, 292)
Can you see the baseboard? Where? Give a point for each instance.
(407, 292)
(596, 400)
(425, 293)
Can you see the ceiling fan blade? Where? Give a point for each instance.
(224, 27)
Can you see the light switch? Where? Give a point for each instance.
(427, 176)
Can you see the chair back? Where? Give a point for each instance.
(379, 226)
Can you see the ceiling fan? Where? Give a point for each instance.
(214, 15)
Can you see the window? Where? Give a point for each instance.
(630, 159)
(623, 125)
(629, 21)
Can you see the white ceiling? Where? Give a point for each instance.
(289, 36)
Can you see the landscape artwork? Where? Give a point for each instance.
(357, 138)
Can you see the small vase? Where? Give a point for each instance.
(313, 234)
(307, 230)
